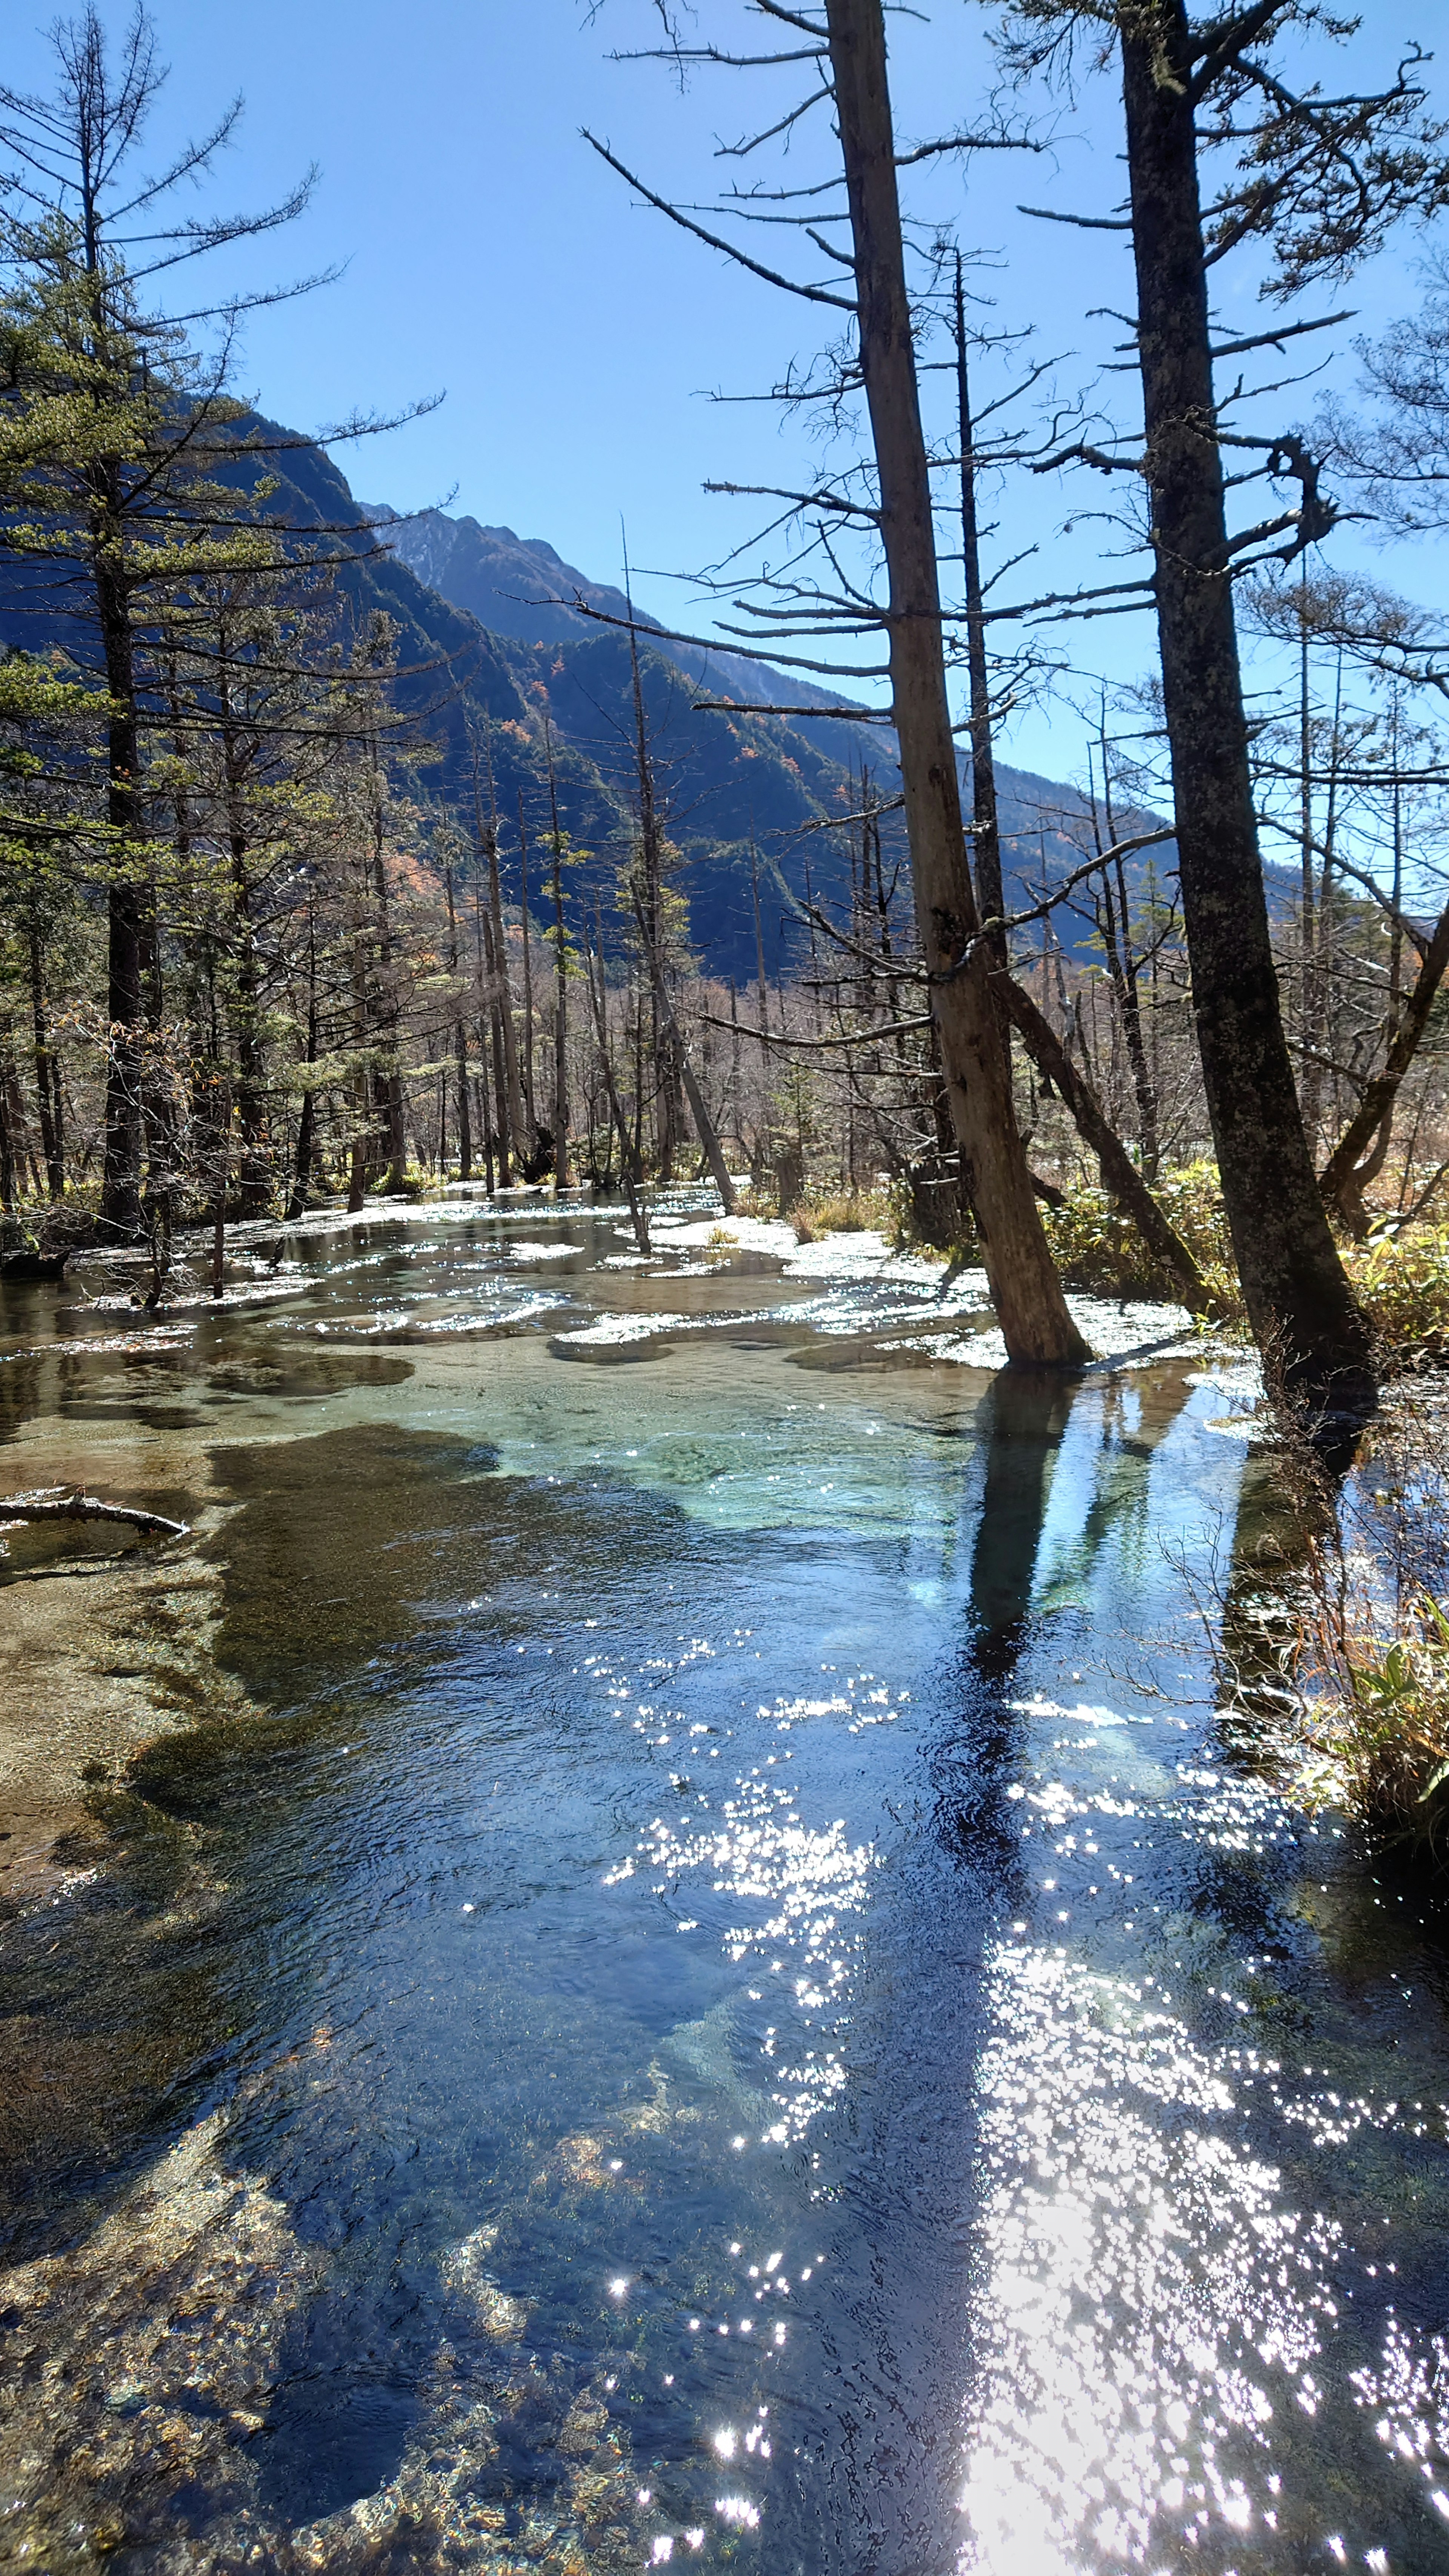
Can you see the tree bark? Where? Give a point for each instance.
(1298, 1299)
(1030, 1305)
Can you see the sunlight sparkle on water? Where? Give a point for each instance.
(1151, 2300)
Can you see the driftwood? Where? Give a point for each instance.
(55, 1505)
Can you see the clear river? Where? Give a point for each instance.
(682, 1971)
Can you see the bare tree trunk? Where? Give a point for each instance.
(1298, 1298)
(1027, 1292)
(561, 1175)
(598, 999)
(47, 1075)
(1310, 1083)
(986, 837)
(513, 1132)
(1120, 1175)
(491, 1027)
(357, 1171)
(256, 1175)
(391, 1081)
(647, 914)
(12, 1125)
(121, 1183)
(307, 1118)
(529, 1098)
(223, 1175)
(1115, 922)
(460, 1043)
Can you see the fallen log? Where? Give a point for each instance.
(53, 1504)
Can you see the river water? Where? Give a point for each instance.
(700, 1984)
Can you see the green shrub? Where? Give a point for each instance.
(1402, 1283)
(1388, 1733)
(1360, 1615)
(1098, 1248)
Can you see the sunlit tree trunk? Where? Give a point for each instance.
(1027, 1292)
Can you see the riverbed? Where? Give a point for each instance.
(647, 1947)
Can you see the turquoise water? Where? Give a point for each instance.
(714, 1993)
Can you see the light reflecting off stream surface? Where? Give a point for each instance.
(700, 1986)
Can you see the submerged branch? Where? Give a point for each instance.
(52, 1504)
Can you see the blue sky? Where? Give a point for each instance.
(577, 336)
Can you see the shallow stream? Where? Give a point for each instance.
(697, 1983)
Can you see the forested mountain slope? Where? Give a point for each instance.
(491, 651)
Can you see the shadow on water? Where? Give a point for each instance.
(1022, 1421)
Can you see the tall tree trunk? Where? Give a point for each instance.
(9, 1142)
(561, 1175)
(307, 1117)
(1131, 1002)
(249, 1089)
(517, 1129)
(1027, 1292)
(648, 915)
(362, 1087)
(460, 1046)
(764, 1147)
(495, 1025)
(1114, 919)
(121, 1181)
(599, 1004)
(390, 1079)
(529, 1099)
(1310, 1084)
(1298, 1299)
(986, 835)
(47, 1075)
(513, 1135)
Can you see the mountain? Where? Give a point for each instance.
(492, 646)
(520, 586)
(735, 779)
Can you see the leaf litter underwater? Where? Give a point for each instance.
(682, 1973)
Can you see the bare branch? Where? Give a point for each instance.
(771, 276)
(815, 1046)
(971, 143)
(1084, 223)
(49, 1506)
(1275, 339)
